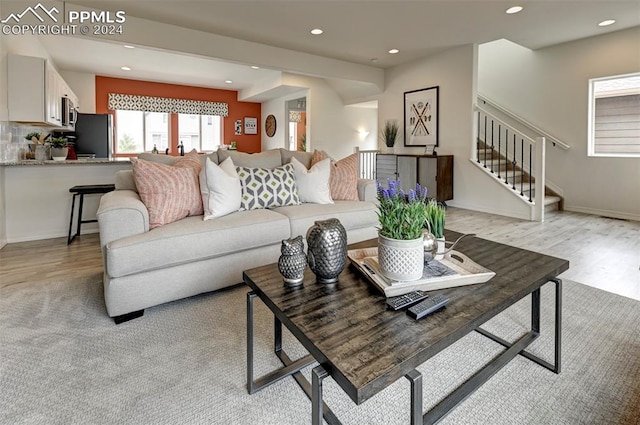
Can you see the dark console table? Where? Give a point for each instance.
(434, 172)
(349, 332)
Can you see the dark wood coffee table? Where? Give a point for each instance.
(365, 348)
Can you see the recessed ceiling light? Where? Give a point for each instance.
(125, 68)
(316, 31)
(394, 51)
(514, 9)
(255, 67)
(127, 46)
(228, 81)
(607, 22)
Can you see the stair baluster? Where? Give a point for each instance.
(499, 142)
(530, 169)
(521, 167)
(492, 148)
(513, 181)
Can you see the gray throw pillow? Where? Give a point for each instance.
(268, 188)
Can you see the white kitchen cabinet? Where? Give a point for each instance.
(35, 91)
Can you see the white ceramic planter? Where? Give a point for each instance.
(59, 154)
(401, 260)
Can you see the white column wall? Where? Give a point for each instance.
(454, 71)
(549, 87)
(331, 126)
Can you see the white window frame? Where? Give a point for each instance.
(591, 142)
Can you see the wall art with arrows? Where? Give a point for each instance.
(421, 117)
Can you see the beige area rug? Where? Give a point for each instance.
(63, 361)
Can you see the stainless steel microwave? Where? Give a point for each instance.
(69, 112)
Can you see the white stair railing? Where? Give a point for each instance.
(513, 158)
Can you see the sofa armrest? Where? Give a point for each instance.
(121, 213)
(367, 190)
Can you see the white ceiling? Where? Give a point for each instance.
(354, 31)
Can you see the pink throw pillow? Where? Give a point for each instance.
(170, 192)
(343, 182)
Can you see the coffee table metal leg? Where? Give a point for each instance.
(415, 378)
(250, 297)
(317, 376)
(535, 329)
(290, 368)
(277, 335)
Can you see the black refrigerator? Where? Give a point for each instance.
(94, 135)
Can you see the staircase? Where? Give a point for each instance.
(512, 151)
(514, 176)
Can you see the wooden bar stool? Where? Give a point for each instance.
(84, 190)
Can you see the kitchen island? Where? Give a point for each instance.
(36, 197)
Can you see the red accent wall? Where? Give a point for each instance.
(237, 110)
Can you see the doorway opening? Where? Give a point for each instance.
(297, 124)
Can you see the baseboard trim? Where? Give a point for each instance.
(489, 210)
(604, 213)
(29, 238)
(3, 243)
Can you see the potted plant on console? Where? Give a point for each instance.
(59, 148)
(400, 241)
(389, 134)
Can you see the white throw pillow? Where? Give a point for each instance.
(220, 188)
(313, 184)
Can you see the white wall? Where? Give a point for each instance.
(454, 71)
(84, 86)
(331, 126)
(549, 87)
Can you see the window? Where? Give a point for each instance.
(614, 116)
(200, 132)
(138, 131)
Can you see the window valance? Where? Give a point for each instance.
(129, 102)
(295, 116)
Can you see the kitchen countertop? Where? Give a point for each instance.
(88, 161)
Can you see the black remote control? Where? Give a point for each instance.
(427, 306)
(402, 301)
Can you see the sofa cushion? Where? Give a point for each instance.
(170, 192)
(192, 239)
(220, 188)
(158, 158)
(352, 214)
(303, 157)
(344, 176)
(266, 159)
(268, 188)
(313, 184)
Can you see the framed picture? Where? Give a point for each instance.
(250, 125)
(421, 117)
(238, 128)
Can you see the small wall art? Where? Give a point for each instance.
(238, 131)
(421, 117)
(250, 125)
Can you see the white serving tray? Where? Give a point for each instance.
(467, 273)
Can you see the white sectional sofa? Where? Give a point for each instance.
(144, 268)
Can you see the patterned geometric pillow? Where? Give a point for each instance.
(267, 188)
(170, 192)
(344, 176)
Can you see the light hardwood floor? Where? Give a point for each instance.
(603, 252)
